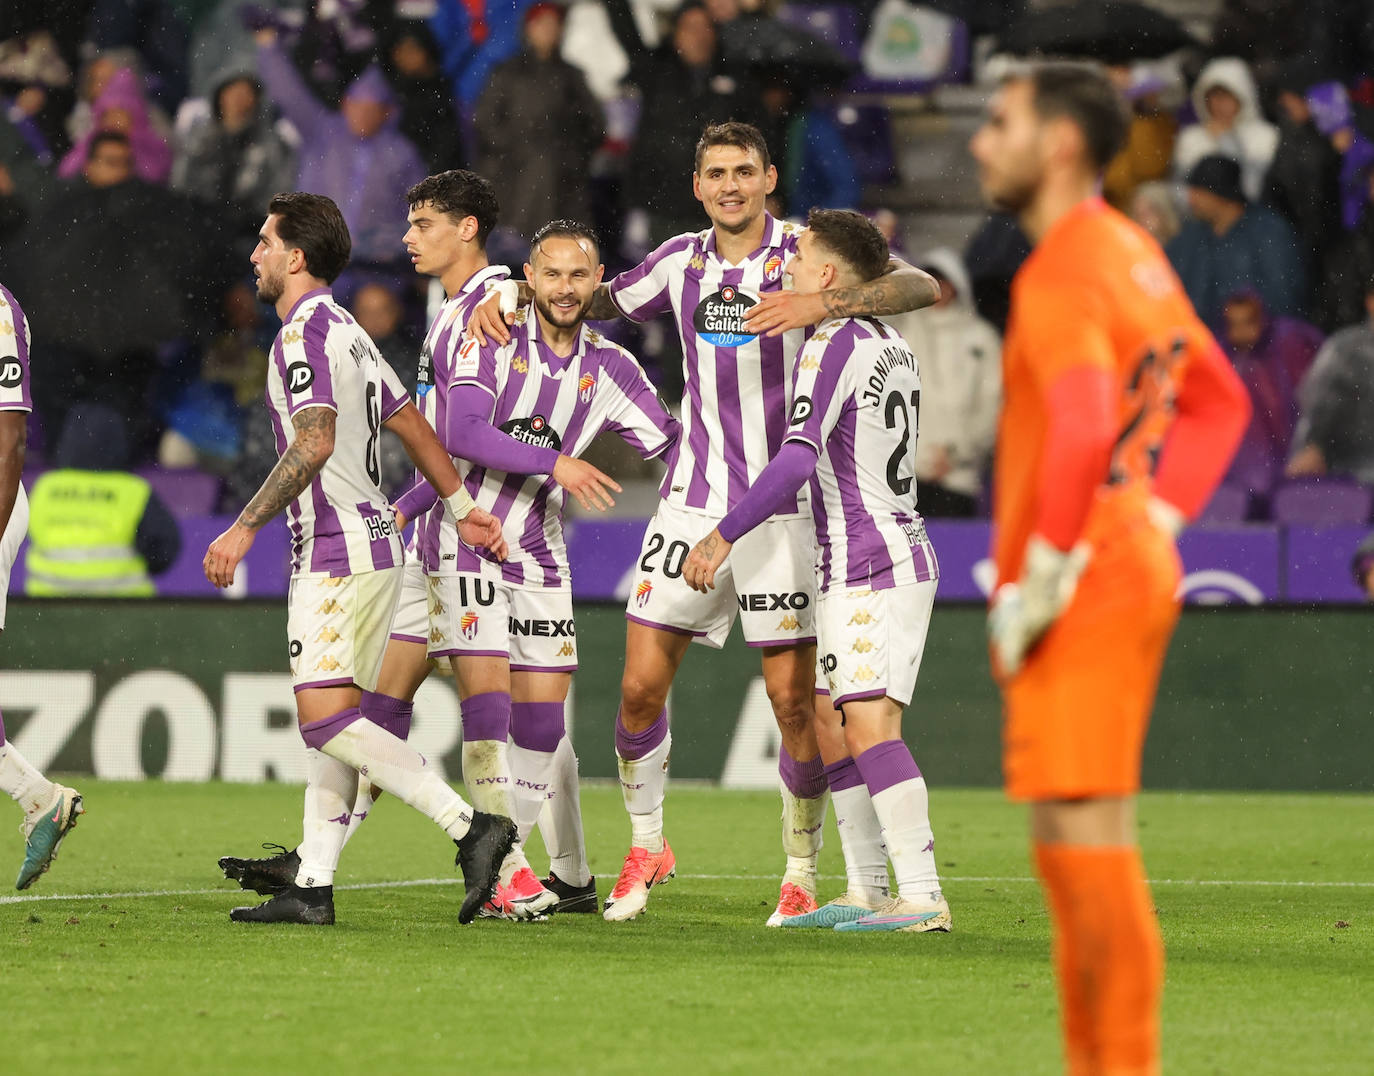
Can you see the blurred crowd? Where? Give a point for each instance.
(141, 139)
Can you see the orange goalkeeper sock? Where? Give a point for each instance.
(1108, 955)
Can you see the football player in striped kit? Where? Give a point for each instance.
(740, 336)
(522, 412)
(50, 809)
(329, 386)
(852, 433)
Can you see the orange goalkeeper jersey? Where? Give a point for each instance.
(1098, 293)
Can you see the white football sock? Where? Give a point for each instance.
(532, 774)
(486, 772)
(643, 784)
(803, 823)
(396, 767)
(861, 840)
(903, 810)
(25, 785)
(560, 824)
(330, 789)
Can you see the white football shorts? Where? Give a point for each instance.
(768, 581)
(470, 616)
(871, 641)
(410, 624)
(338, 627)
(10, 542)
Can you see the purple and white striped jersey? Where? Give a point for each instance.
(735, 403)
(856, 398)
(557, 403)
(341, 524)
(14, 355)
(437, 356)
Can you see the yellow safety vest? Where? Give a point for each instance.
(81, 536)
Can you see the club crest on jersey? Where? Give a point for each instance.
(586, 385)
(719, 318)
(534, 430)
(642, 592)
(299, 377)
(467, 624)
(772, 268)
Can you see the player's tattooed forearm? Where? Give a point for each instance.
(602, 308)
(898, 290)
(301, 461)
(707, 546)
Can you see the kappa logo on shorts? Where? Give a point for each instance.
(11, 374)
(329, 605)
(565, 651)
(467, 624)
(299, 377)
(436, 636)
(863, 674)
(642, 592)
(861, 646)
(789, 623)
(859, 619)
(327, 635)
(327, 664)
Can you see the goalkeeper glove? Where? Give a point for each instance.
(1023, 611)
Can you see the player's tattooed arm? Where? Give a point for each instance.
(901, 288)
(603, 307)
(302, 460)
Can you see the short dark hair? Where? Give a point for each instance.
(566, 229)
(459, 193)
(99, 139)
(313, 223)
(852, 238)
(1083, 94)
(743, 136)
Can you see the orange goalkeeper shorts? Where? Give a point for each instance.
(1077, 712)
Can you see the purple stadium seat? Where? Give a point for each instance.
(1322, 502)
(186, 491)
(1228, 506)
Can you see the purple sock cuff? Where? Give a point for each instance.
(486, 717)
(805, 780)
(537, 726)
(318, 733)
(843, 774)
(886, 764)
(389, 712)
(635, 745)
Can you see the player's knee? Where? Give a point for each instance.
(794, 709)
(640, 702)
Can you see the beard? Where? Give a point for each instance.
(562, 319)
(270, 289)
(1013, 195)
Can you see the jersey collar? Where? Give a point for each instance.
(314, 293)
(488, 273)
(545, 354)
(772, 237)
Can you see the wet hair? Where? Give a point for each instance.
(852, 238)
(313, 223)
(743, 136)
(1084, 95)
(459, 193)
(566, 229)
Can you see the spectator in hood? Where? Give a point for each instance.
(960, 356)
(1229, 124)
(96, 530)
(538, 126)
(122, 108)
(357, 155)
(1228, 244)
(1271, 355)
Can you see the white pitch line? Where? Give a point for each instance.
(35, 898)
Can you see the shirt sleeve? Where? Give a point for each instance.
(394, 396)
(776, 484)
(640, 418)
(817, 393)
(475, 364)
(14, 356)
(645, 291)
(305, 363)
(469, 435)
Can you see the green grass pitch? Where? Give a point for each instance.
(122, 958)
